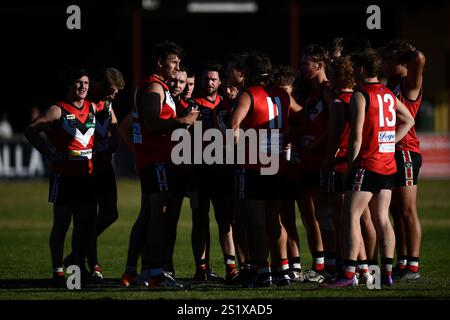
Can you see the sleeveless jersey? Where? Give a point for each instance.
(341, 157)
(73, 135)
(207, 110)
(182, 105)
(269, 110)
(152, 147)
(102, 139)
(410, 142)
(378, 140)
(316, 113)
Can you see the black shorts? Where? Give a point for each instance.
(335, 183)
(105, 180)
(251, 185)
(312, 179)
(215, 180)
(364, 180)
(71, 190)
(159, 177)
(408, 167)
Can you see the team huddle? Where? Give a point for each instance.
(342, 132)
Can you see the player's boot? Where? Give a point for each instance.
(296, 276)
(96, 274)
(387, 280)
(212, 276)
(314, 276)
(366, 278)
(232, 277)
(341, 283)
(59, 279)
(283, 278)
(165, 281)
(128, 278)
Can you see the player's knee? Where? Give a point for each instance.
(409, 212)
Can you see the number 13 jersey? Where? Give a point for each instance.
(378, 138)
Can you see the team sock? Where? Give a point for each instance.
(413, 264)
(318, 261)
(386, 266)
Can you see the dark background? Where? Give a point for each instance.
(37, 48)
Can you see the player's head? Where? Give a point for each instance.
(210, 78)
(109, 81)
(352, 45)
(190, 84)
(284, 77)
(178, 84)
(396, 54)
(78, 84)
(341, 73)
(366, 64)
(314, 61)
(167, 56)
(230, 90)
(335, 48)
(258, 69)
(235, 69)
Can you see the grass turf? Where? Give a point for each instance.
(25, 223)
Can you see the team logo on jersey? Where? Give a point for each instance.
(386, 136)
(72, 120)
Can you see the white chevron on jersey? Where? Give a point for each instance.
(76, 134)
(170, 101)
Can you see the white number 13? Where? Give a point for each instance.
(387, 98)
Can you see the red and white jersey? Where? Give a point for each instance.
(73, 135)
(269, 110)
(410, 142)
(317, 114)
(182, 105)
(378, 140)
(102, 138)
(207, 110)
(152, 147)
(341, 156)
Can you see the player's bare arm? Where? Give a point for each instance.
(241, 111)
(294, 105)
(336, 126)
(126, 131)
(113, 132)
(357, 105)
(152, 103)
(35, 133)
(414, 79)
(405, 121)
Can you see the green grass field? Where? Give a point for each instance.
(25, 223)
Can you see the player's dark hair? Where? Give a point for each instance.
(163, 49)
(399, 49)
(284, 76)
(335, 44)
(370, 60)
(258, 69)
(351, 45)
(238, 60)
(317, 54)
(111, 77)
(342, 73)
(213, 66)
(188, 71)
(73, 75)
